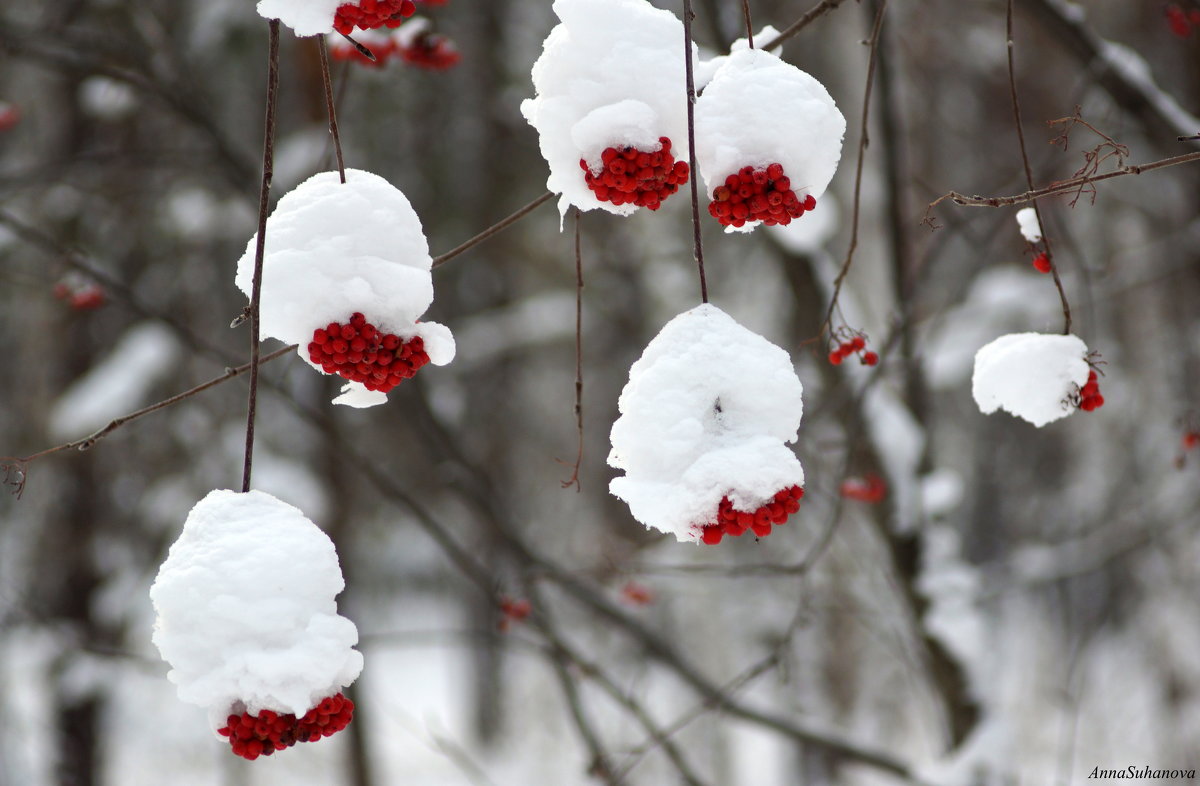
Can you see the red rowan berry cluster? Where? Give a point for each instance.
(359, 352)
(764, 195)
(1041, 263)
(80, 295)
(636, 177)
(735, 522)
(251, 736)
(513, 611)
(850, 346)
(1089, 394)
(870, 489)
(1181, 22)
(371, 14)
(430, 50)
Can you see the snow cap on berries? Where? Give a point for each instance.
(1028, 223)
(759, 110)
(1031, 375)
(609, 75)
(334, 249)
(246, 610)
(305, 17)
(706, 414)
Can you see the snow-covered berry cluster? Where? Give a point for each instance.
(630, 176)
(372, 14)
(763, 194)
(251, 736)
(852, 345)
(1089, 395)
(870, 489)
(734, 522)
(358, 351)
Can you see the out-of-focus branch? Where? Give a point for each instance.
(812, 15)
(494, 229)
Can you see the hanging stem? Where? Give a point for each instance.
(1016, 105)
(749, 26)
(264, 195)
(574, 479)
(691, 121)
(330, 108)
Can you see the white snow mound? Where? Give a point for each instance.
(246, 611)
(305, 17)
(334, 249)
(610, 74)
(705, 414)
(1030, 375)
(1028, 222)
(759, 110)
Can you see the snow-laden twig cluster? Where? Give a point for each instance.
(1031, 375)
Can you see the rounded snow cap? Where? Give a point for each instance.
(706, 414)
(335, 249)
(305, 17)
(246, 611)
(609, 75)
(759, 110)
(1031, 375)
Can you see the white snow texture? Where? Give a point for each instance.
(1028, 222)
(334, 249)
(610, 74)
(759, 110)
(305, 17)
(246, 610)
(705, 414)
(1030, 375)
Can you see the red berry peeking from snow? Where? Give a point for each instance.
(764, 195)
(251, 736)
(357, 351)
(371, 14)
(629, 176)
(736, 522)
(1089, 395)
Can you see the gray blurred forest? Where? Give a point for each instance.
(1022, 606)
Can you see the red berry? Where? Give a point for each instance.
(857, 343)
(1191, 439)
(870, 359)
(1041, 263)
(835, 358)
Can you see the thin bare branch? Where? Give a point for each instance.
(691, 122)
(494, 229)
(812, 15)
(574, 479)
(330, 106)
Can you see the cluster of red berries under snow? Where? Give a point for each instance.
(629, 176)
(353, 255)
(412, 42)
(1034, 376)
(609, 77)
(705, 418)
(265, 732)
(246, 610)
(765, 118)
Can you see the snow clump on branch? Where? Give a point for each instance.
(246, 612)
(1034, 376)
(340, 250)
(610, 75)
(705, 415)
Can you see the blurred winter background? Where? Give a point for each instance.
(1020, 607)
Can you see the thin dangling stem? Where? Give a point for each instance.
(260, 246)
(574, 479)
(691, 121)
(749, 24)
(330, 108)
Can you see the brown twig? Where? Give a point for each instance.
(362, 50)
(496, 228)
(330, 108)
(86, 443)
(574, 479)
(260, 246)
(812, 15)
(749, 24)
(1093, 158)
(1016, 107)
(1054, 189)
(691, 122)
(863, 142)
